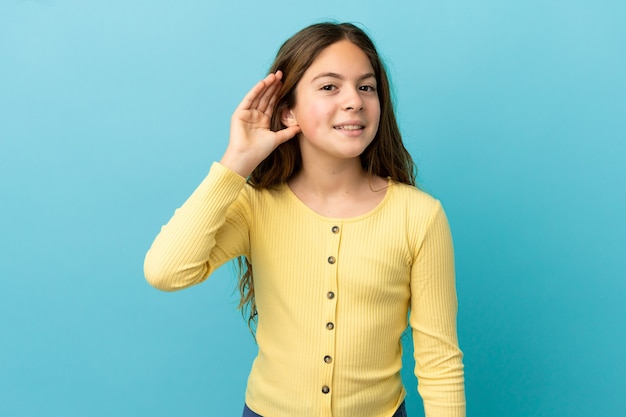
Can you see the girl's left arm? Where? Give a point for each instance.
(438, 359)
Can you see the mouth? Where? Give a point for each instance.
(350, 127)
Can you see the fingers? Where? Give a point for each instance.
(262, 94)
(267, 85)
(287, 133)
(269, 109)
(246, 102)
(267, 100)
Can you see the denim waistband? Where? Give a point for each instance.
(400, 412)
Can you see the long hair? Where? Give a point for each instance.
(385, 157)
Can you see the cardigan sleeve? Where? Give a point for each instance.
(438, 359)
(209, 229)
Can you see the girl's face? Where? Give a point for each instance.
(337, 104)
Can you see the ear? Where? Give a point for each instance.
(288, 118)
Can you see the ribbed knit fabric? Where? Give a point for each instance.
(332, 295)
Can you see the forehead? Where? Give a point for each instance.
(343, 57)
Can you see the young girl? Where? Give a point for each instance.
(315, 193)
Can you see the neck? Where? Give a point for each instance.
(326, 178)
(338, 188)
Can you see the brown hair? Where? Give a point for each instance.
(386, 156)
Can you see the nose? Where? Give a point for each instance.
(352, 99)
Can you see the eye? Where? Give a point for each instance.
(369, 88)
(328, 87)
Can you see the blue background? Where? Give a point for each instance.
(111, 113)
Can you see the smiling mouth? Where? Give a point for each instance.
(350, 127)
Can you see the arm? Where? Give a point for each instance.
(208, 230)
(212, 226)
(438, 359)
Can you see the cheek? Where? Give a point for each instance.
(313, 117)
(375, 115)
(376, 110)
(376, 107)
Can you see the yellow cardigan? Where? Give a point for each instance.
(332, 295)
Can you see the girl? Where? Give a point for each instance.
(315, 194)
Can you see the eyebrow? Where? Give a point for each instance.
(340, 77)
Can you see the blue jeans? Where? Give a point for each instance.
(400, 412)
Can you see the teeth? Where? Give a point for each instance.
(350, 127)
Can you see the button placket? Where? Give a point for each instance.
(334, 233)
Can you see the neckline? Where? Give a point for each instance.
(372, 211)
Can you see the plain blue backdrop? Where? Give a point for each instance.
(112, 112)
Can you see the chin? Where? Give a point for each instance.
(351, 153)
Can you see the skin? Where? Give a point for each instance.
(336, 117)
(251, 140)
(336, 95)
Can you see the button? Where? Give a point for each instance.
(330, 325)
(328, 359)
(330, 295)
(335, 229)
(325, 389)
(331, 260)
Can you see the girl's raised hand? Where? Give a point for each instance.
(251, 139)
